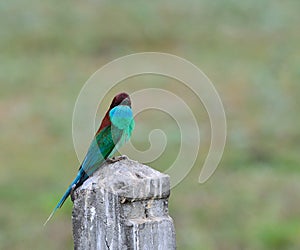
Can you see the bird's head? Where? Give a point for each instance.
(121, 99)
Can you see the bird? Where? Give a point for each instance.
(114, 131)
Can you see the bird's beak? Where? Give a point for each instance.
(126, 102)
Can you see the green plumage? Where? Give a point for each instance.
(108, 139)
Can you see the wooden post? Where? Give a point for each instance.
(124, 205)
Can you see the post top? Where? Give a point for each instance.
(130, 180)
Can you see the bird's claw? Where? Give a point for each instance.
(115, 159)
(72, 193)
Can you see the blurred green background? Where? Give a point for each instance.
(250, 51)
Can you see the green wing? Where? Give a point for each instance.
(102, 146)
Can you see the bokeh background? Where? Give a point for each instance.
(249, 49)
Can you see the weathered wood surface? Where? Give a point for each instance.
(124, 205)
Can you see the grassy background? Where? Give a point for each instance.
(249, 49)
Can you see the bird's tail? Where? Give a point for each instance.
(60, 203)
(65, 196)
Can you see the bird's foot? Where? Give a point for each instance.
(115, 159)
(72, 193)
